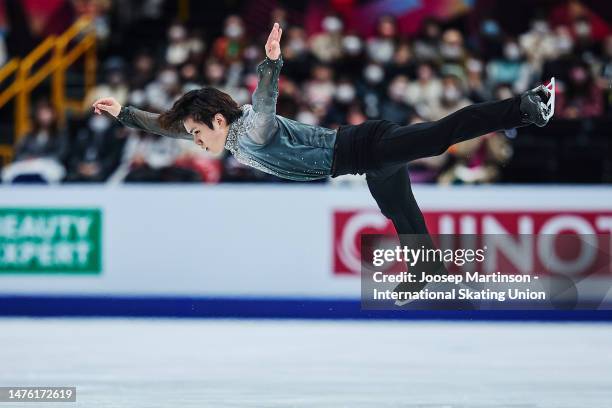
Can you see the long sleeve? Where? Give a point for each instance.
(264, 97)
(263, 120)
(136, 118)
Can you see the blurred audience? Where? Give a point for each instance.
(95, 150)
(152, 158)
(331, 77)
(114, 84)
(476, 161)
(229, 47)
(39, 155)
(582, 97)
(453, 98)
(327, 45)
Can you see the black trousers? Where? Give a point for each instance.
(381, 149)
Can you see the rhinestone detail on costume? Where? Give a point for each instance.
(237, 128)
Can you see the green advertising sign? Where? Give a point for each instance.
(50, 240)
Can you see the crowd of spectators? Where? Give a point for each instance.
(329, 78)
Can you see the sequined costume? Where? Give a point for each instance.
(260, 138)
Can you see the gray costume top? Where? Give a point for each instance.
(260, 138)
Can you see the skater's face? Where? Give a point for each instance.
(211, 140)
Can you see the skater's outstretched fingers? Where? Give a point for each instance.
(277, 32)
(109, 105)
(273, 43)
(271, 35)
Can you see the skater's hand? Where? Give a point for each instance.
(273, 50)
(109, 105)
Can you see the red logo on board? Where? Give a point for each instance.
(350, 225)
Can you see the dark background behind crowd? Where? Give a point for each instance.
(346, 61)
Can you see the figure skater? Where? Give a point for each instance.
(380, 149)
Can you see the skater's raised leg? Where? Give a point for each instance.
(405, 143)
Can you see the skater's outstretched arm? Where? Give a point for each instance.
(136, 118)
(266, 93)
(268, 71)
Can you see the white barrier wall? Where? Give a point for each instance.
(281, 241)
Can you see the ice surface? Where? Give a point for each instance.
(263, 363)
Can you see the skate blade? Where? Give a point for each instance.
(550, 105)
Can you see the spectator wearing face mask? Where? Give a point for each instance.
(372, 89)
(540, 44)
(39, 155)
(115, 83)
(424, 93)
(95, 151)
(585, 46)
(351, 64)
(395, 108)
(587, 24)
(453, 54)
(229, 79)
(319, 91)
(179, 47)
(327, 46)
(296, 55)
(229, 47)
(197, 46)
(152, 158)
(562, 57)
(162, 92)
(402, 63)
(426, 46)
(582, 97)
(381, 47)
(477, 90)
(345, 96)
(452, 98)
(306, 115)
(490, 39)
(509, 69)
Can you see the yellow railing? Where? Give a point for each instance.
(61, 57)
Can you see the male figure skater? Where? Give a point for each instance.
(256, 136)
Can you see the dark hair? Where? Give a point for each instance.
(201, 105)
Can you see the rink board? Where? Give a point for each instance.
(236, 250)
